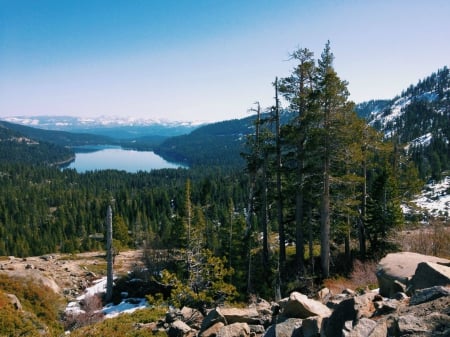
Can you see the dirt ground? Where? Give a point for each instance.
(68, 274)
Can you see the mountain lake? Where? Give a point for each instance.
(91, 158)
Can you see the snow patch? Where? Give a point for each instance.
(423, 140)
(435, 198)
(110, 310)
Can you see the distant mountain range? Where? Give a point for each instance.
(419, 118)
(114, 127)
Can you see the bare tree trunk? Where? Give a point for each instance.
(361, 227)
(265, 215)
(281, 230)
(299, 235)
(109, 255)
(325, 221)
(348, 255)
(251, 195)
(310, 240)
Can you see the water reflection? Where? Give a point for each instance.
(116, 158)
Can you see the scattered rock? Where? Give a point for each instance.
(300, 306)
(363, 328)
(241, 315)
(234, 330)
(213, 317)
(257, 330)
(312, 326)
(212, 330)
(14, 301)
(180, 329)
(412, 325)
(324, 294)
(192, 317)
(429, 294)
(291, 327)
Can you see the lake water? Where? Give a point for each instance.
(116, 158)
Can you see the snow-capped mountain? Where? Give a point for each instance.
(419, 119)
(118, 127)
(421, 109)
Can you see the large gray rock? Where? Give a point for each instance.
(192, 317)
(300, 306)
(240, 315)
(211, 331)
(363, 328)
(351, 309)
(234, 330)
(429, 274)
(180, 329)
(312, 326)
(396, 270)
(213, 317)
(429, 294)
(380, 329)
(291, 327)
(431, 325)
(366, 328)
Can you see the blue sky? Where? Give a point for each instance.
(205, 59)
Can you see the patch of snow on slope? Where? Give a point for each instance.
(423, 140)
(435, 198)
(398, 107)
(429, 96)
(110, 310)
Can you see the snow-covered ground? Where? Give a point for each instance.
(435, 198)
(127, 305)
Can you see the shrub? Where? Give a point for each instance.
(362, 276)
(430, 240)
(90, 313)
(41, 308)
(124, 325)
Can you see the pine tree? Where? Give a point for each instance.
(332, 103)
(297, 89)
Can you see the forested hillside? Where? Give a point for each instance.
(61, 138)
(420, 119)
(216, 144)
(18, 148)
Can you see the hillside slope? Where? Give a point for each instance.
(62, 138)
(216, 144)
(16, 147)
(419, 118)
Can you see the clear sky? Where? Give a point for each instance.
(204, 60)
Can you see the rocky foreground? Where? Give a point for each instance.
(413, 300)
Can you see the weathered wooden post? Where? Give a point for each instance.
(109, 256)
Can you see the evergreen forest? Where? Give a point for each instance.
(309, 187)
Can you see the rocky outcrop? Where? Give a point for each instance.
(424, 310)
(426, 313)
(395, 271)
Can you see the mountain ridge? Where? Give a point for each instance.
(114, 127)
(418, 119)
